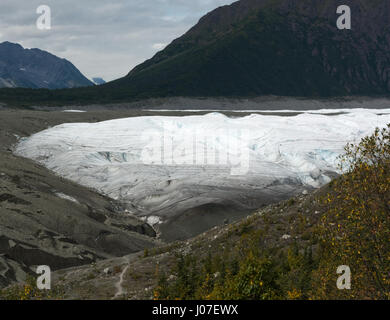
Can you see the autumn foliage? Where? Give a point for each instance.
(355, 231)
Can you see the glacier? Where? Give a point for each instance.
(161, 166)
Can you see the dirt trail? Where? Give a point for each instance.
(119, 288)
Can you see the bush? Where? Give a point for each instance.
(355, 231)
(29, 291)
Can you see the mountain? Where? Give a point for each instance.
(34, 68)
(98, 81)
(280, 47)
(256, 48)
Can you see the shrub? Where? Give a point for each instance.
(355, 231)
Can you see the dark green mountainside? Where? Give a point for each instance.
(273, 47)
(253, 48)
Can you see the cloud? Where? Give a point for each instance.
(102, 38)
(159, 46)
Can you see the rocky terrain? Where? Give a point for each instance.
(136, 276)
(95, 248)
(34, 68)
(45, 219)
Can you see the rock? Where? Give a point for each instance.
(107, 271)
(172, 277)
(11, 243)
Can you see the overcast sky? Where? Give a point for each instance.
(102, 38)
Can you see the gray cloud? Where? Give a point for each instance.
(102, 38)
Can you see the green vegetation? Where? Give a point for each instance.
(354, 231)
(246, 272)
(29, 291)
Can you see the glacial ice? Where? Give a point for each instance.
(161, 166)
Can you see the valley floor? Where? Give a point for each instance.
(99, 252)
(45, 219)
(137, 276)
